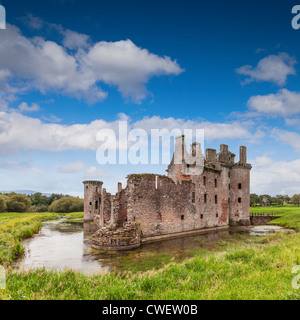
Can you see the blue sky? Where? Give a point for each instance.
(69, 68)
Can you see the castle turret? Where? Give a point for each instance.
(240, 190)
(92, 199)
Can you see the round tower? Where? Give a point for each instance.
(92, 199)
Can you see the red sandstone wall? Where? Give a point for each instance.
(240, 212)
(178, 207)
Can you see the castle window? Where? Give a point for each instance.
(217, 215)
(159, 216)
(205, 198)
(204, 180)
(228, 174)
(216, 183)
(229, 186)
(239, 200)
(193, 197)
(96, 205)
(240, 186)
(188, 168)
(201, 216)
(87, 187)
(182, 217)
(96, 189)
(90, 203)
(216, 199)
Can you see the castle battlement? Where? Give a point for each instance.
(199, 192)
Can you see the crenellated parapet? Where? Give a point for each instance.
(199, 192)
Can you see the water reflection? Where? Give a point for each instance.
(61, 245)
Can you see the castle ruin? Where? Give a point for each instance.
(183, 202)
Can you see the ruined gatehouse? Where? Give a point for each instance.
(183, 202)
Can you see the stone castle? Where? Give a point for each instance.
(154, 206)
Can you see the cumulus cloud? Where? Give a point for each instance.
(271, 177)
(26, 108)
(283, 103)
(72, 167)
(33, 22)
(273, 68)
(35, 63)
(128, 67)
(74, 40)
(287, 137)
(213, 130)
(20, 132)
(293, 122)
(94, 173)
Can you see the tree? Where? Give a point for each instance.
(296, 199)
(55, 196)
(66, 205)
(38, 199)
(265, 200)
(254, 199)
(18, 203)
(3, 206)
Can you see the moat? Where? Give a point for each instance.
(61, 245)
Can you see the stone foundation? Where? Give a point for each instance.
(261, 220)
(114, 238)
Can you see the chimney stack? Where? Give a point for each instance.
(243, 155)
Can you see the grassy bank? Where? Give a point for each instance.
(15, 227)
(290, 215)
(256, 269)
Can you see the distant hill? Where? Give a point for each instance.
(26, 192)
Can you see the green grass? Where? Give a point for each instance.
(240, 269)
(262, 271)
(290, 215)
(15, 227)
(74, 215)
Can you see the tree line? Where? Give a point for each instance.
(16, 202)
(279, 200)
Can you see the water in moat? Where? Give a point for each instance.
(60, 245)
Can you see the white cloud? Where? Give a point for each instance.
(292, 122)
(33, 22)
(74, 40)
(72, 167)
(273, 68)
(128, 67)
(283, 103)
(287, 137)
(27, 63)
(20, 132)
(270, 177)
(94, 173)
(213, 130)
(13, 166)
(26, 108)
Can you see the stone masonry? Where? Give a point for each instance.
(218, 195)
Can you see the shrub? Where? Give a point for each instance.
(18, 203)
(66, 205)
(3, 206)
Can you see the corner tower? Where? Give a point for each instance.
(240, 190)
(92, 199)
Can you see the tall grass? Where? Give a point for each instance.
(259, 269)
(15, 227)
